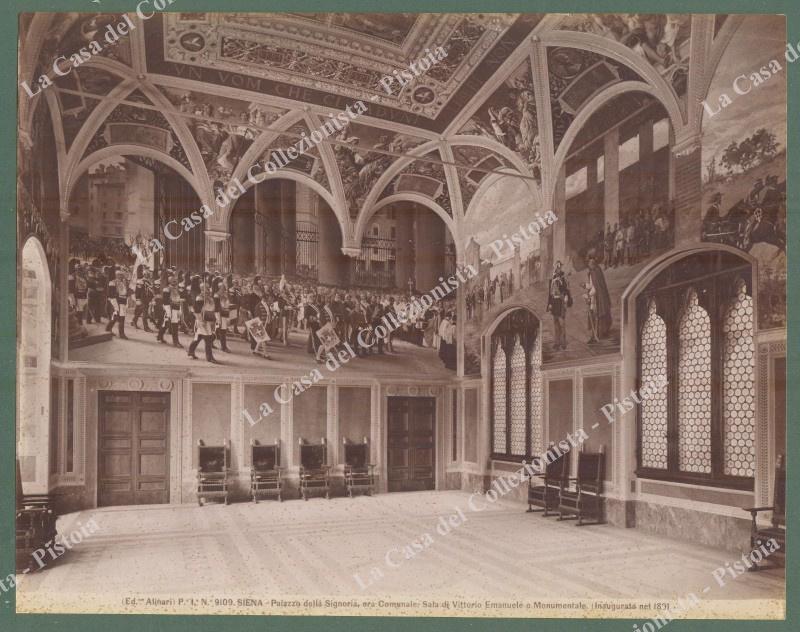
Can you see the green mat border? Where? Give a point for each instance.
(10, 621)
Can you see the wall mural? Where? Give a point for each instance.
(507, 270)
(223, 128)
(38, 208)
(361, 168)
(578, 300)
(509, 117)
(424, 178)
(662, 39)
(575, 76)
(744, 159)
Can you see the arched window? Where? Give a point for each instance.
(516, 387)
(653, 345)
(696, 422)
(694, 387)
(739, 385)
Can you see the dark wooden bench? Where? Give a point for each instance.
(761, 535)
(212, 471)
(314, 468)
(35, 525)
(359, 473)
(544, 488)
(582, 496)
(265, 470)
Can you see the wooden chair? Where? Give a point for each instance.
(544, 488)
(358, 472)
(265, 470)
(314, 470)
(212, 471)
(584, 499)
(759, 536)
(35, 525)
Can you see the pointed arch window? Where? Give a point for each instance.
(695, 333)
(516, 387)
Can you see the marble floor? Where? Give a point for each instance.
(375, 550)
(142, 348)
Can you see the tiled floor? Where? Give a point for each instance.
(326, 549)
(142, 348)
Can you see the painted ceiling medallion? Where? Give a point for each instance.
(193, 42)
(424, 95)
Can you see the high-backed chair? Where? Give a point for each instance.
(544, 488)
(583, 496)
(212, 471)
(761, 535)
(359, 473)
(265, 470)
(314, 468)
(35, 525)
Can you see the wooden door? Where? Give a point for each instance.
(412, 444)
(133, 448)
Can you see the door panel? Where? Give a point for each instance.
(133, 460)
(411, 443)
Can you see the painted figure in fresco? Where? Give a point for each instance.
(597, 281)
(559, 300)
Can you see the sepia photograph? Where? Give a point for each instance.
(448, 314)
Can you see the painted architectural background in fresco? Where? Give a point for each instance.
(744, 158)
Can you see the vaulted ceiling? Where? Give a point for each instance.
(209, 94)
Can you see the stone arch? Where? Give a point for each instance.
(663, 91)
(364, 218)
(629, 334)
(127, 150)
(286, 174)
(595, 103)
(34, 355)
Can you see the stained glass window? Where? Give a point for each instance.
(738, 386)
(537, 438)
(518, 395)
(694, 388)
(696, 324)
(654, 408)
(499, 399)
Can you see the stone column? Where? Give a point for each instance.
(331, 262)
(260, 226)
(218, 251)
(286, 190)
(611, 177)
(404, 253)
(269, 261)
(242, 225)
(429, 251)
(686, 155)
(647, 174)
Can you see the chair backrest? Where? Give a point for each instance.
(211, 458)
(779, 493)
(558, 469)
(265, 457)
(356, 454)
(590, 470)
(313, 456)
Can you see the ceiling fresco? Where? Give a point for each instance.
(359, 167)
(576, 75)
(230, 79)
(223, 128)
(423, 177)
(509, 117)
(661, 39)
(346, 55)
(131, 125)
